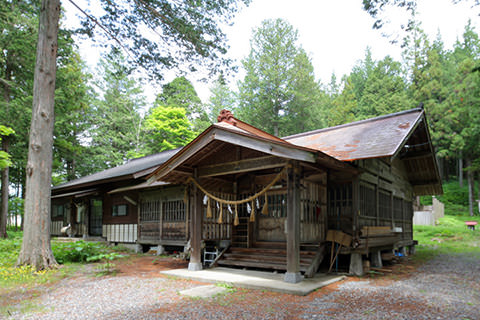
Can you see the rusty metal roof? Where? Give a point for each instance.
(403, 136)
(371, 138)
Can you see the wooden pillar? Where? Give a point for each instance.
(196, 229)
(293, 225)
(377, 202)
(355, 205)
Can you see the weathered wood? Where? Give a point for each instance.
(293, 224)
(339, 237)
(219, 256)
(182, 156)
(241, 166)
(269, 147)
(376, 230)
(317, 260)
(196, 230)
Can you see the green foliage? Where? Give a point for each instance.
(12, 276)
(9, 274)
(180, 93)
(221, 98)
(77, 251)
(108, 266)
(72, 119)
(166, 128)
(454, 197)
(116, 122)
(5, 157)
(9, 249)
(184, 34)
(279, 93)
(451, 235)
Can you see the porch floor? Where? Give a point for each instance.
(252, 279)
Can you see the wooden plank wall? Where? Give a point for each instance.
(212, 230)
(340, 207)
(55, 227)
(271, 227)
(385, 196)
(313, 218)
(163, 215)
(120, 232)
(313, 212)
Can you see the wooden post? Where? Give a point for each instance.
(355, 206)
(377, 202)
(196, 229)
(293, 225)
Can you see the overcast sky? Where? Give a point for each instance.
(334, 33)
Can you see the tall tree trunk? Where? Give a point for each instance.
(478, 185)
(460, 171)
(36, 249)
(471, 182)
(5, 144)
(441, 167)
(5, 183)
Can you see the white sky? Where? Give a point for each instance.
(334, 33)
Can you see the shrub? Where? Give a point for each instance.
(79, 251)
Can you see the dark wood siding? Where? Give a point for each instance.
(120, 199)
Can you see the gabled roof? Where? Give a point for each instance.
(372, 138)
(224, 133)
(402, 135)
(135, 168)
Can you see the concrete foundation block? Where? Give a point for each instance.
(293, 277)
(356, 264)
(194, 266)
(376, 259)
(411, 250)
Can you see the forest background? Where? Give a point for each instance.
(102, 118)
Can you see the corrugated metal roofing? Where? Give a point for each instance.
(128, 169)
(371, 138)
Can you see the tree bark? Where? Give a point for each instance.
(5, 183)
(36, 249)
(471, 183)
(460, 171)
(5, 144)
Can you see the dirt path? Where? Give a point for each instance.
(439, 289)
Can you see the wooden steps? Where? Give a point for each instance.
(270, 256)
(240, 233)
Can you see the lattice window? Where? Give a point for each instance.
(407, 210)
(174, 211)
(397, 208)
(277, 204)
(367, 200)
(150, 210)
(384, 204)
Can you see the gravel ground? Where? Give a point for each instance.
(446, 287)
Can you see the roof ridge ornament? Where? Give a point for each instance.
(227, 116)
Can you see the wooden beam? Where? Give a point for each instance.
(419, 155)
(402, 143)
(181, 157)
(241, 166)
(269, 147)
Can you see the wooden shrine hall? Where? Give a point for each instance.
(257, 192)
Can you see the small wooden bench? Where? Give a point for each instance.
(471, 224)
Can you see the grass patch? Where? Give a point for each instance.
(451, 235)
(26, 307)
(71, 255)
